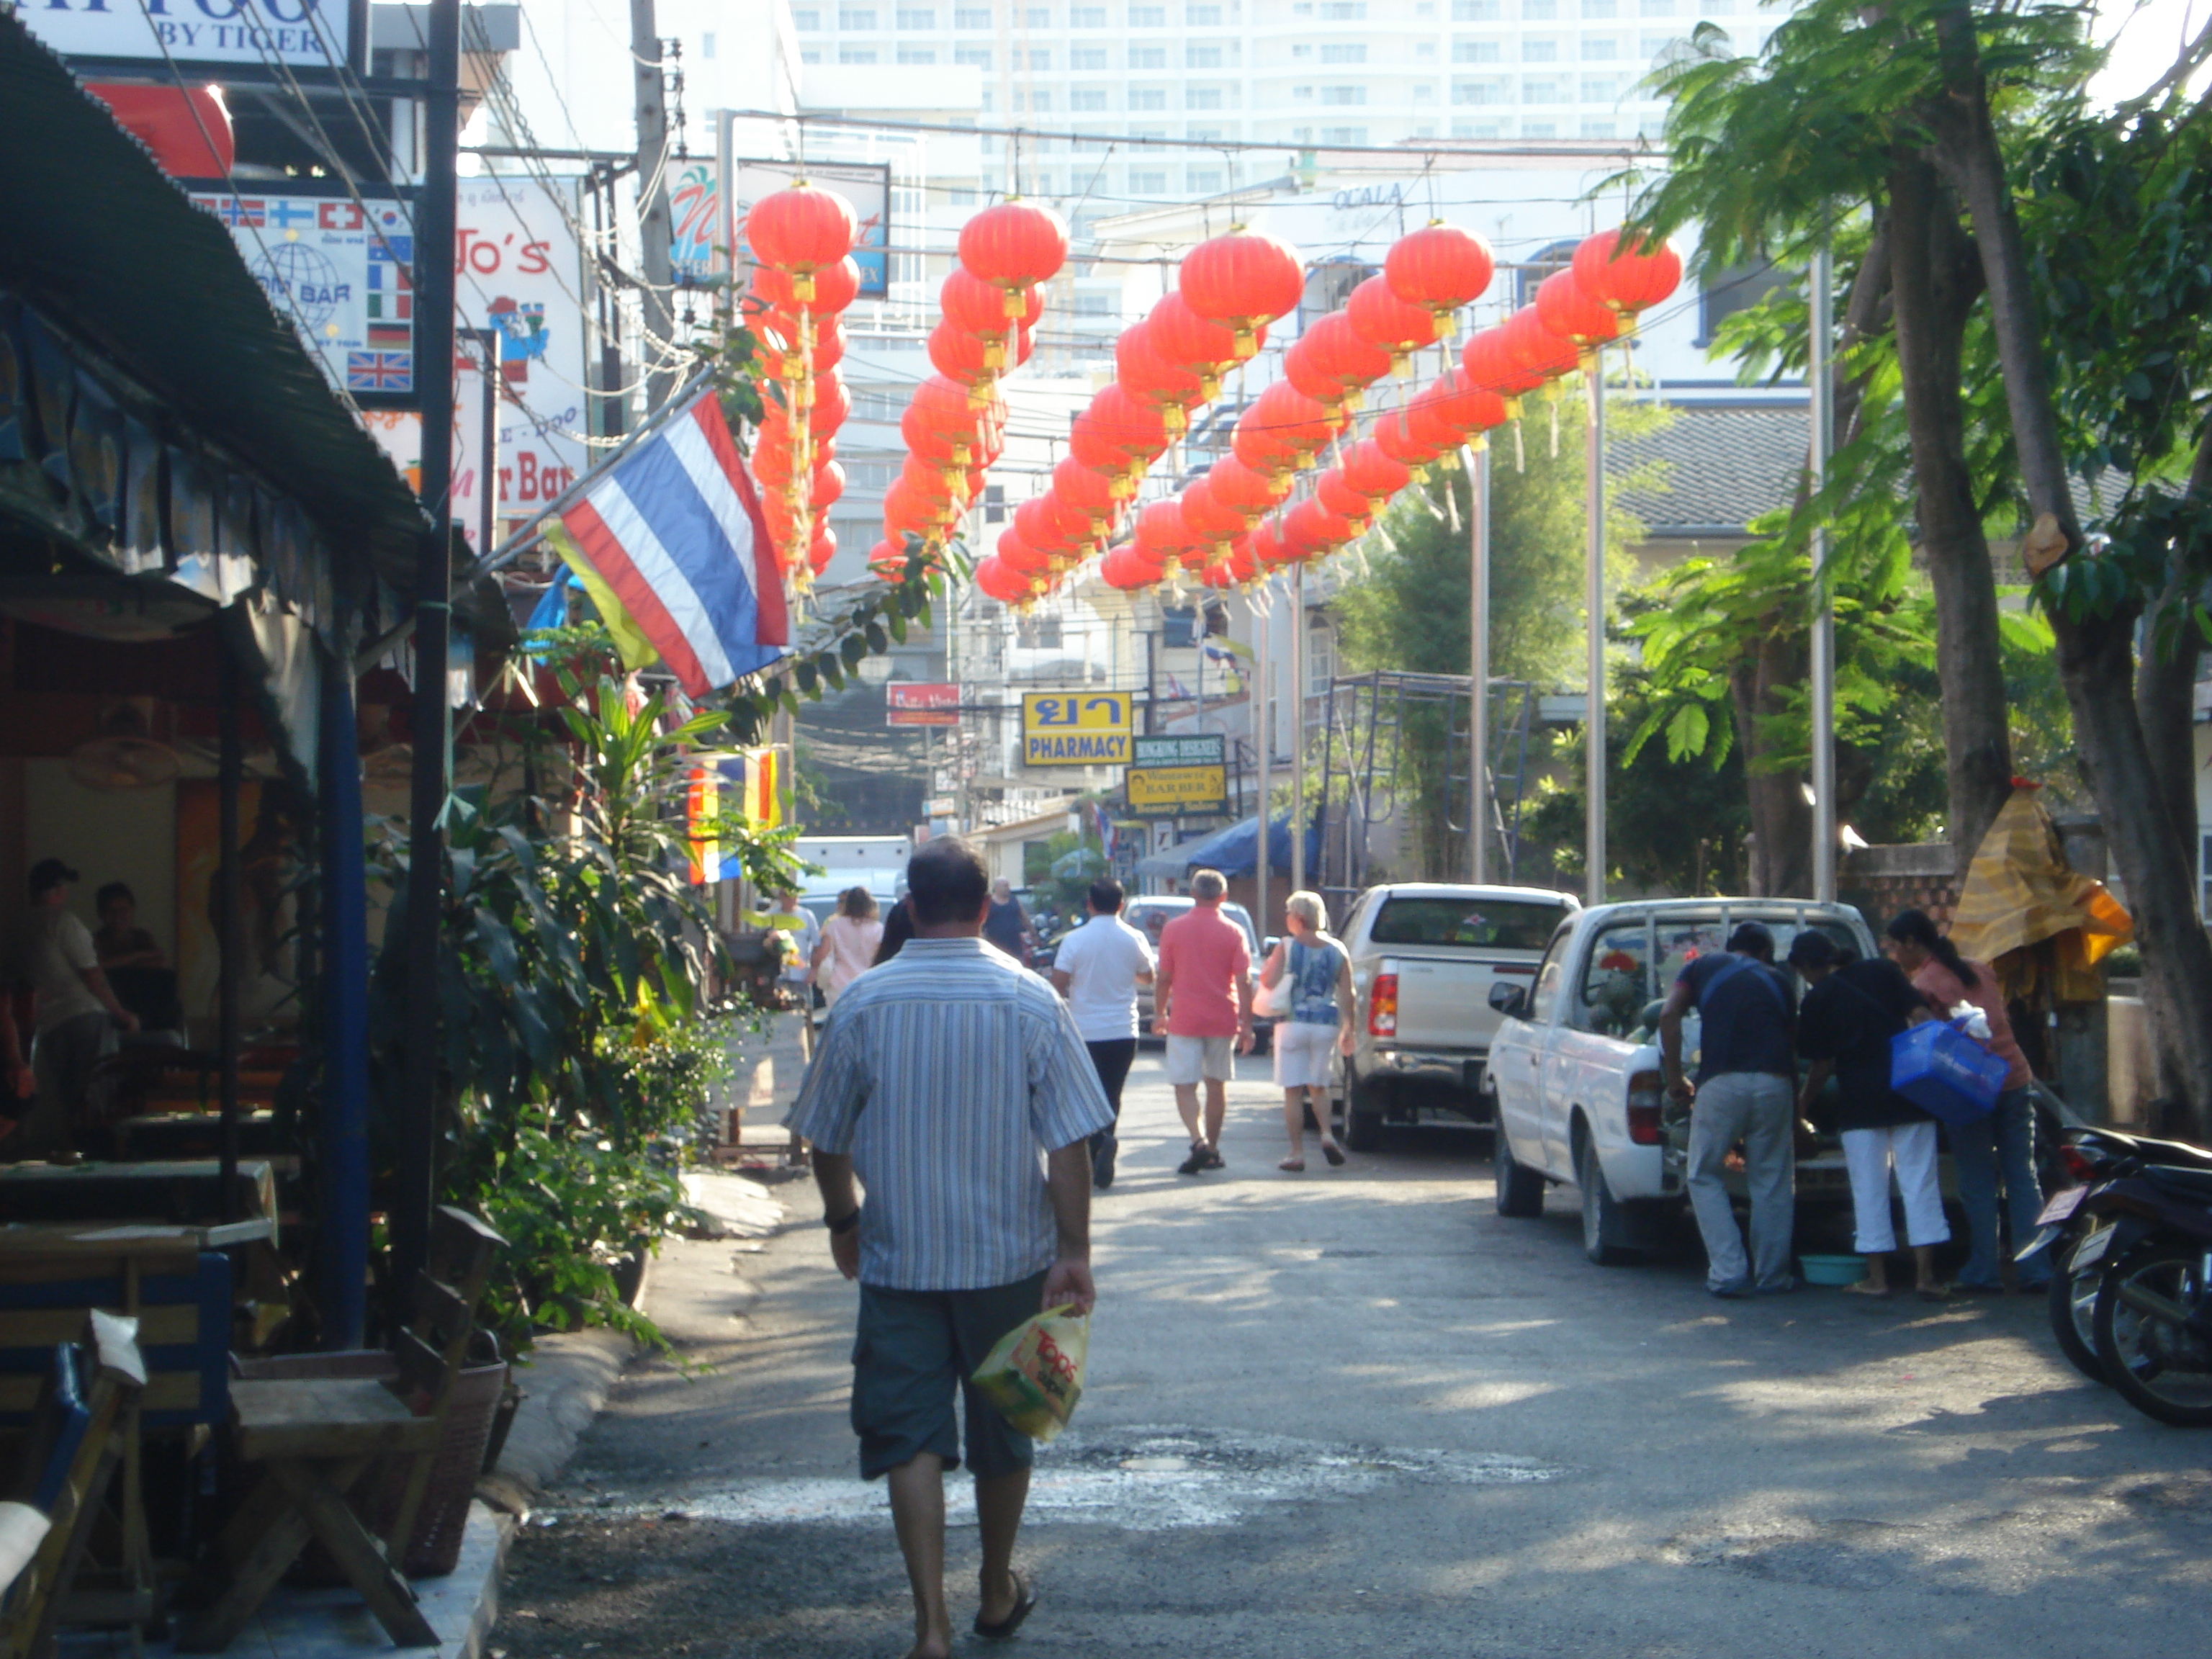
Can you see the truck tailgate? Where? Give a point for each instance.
(1443, 999)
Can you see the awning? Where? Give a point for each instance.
(1236, 851)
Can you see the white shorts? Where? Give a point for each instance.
(1191, 1058)
(1869, 1154)
(1306, 1054)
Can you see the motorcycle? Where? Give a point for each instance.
(2152, 1318)
(2068, 1225)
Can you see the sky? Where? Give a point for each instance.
(2147, 38)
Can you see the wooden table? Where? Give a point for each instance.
(183, 1192)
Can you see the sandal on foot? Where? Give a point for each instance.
(1333, 1152)
(1295, 1165)
(1866, 1287)
(1933, 1293)
(1196, 1161)
(1024, 1601)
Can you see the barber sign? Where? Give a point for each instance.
(312, 34)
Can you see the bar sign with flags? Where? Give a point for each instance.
(675, 529)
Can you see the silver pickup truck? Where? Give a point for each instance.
(1424, 956)
(1574, 1069)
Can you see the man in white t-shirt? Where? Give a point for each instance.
(77, 1010)
(1098, 969)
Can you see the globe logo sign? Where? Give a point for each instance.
(304, 285)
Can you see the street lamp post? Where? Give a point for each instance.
(1822, 411)
(1594, 696)
(1477, 456)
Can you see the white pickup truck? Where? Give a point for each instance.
(1574, 1069)
(1425, 956)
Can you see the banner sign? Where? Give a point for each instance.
(868, 188)
(1184, 776)
(921, 705)
(1076, 728)
(314, 35)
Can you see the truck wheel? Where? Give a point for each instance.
(1601, 1212)
(1363, 1115)
(1520, 1190)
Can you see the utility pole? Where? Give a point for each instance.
(1823, 413)
(1263, 744)
(1594, 697)
(435, 210)
(657, 254)
(1477, 456)
(1299, 727)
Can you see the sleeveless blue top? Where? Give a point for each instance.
(1312, 971)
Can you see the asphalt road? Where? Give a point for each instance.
(1354, 1412)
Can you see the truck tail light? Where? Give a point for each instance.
(1382, 1006)
(1646, 1094)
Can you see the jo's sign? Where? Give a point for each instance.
(313, 34)
(1075, 728)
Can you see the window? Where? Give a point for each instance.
(880, 403)
(1342, 136)
(1539, 129)
(1302, 92)
(852, 17)
(1148, 58)
(1476, 52)
(1345, 53)
(1476, 92)
(1094, 305)
(1202, 181)
(1301, 52)
(1201, 56)
(856, 54)
(1652, 45)
(1600, 8)
(1425, 94)
(1736, 289)
(1538, 12)
(1344, 94)
(1202, 98)
(1148, 17)
(1039, 100)
(979, 57)
(910, 18)
(1202, 17)
(1616, 984)
(960, 196)
(1599, 51)
(1344, 11)
(1148, 183)
(1598, 92)
(1086, 17)
(1086, 98)
(1148, 98)
(1548, 971)
(1426, 9)
(706, 46)
(1425, 48)
(917, 54)
(809, 19)
(1204, 135)
(1038, 17)
(1497, 924)
(1475, 130)
(1539, 92)
(971, 17)
(1597, 129)
(1540, 51)
(1476, 11)
(1656, 8)
(1086, 58)
(1040, 60)
(810, 55)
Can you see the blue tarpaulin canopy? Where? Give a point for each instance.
(1236, 851)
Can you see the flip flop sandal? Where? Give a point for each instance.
(1333, 1152)
(1295, 1165)
(1026, 1602)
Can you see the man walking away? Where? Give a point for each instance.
(1098, 967)
(1202, 1005)
(1008, 927)
(1746, 1089)
(942, 1076)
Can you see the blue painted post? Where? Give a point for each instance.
(345, 1242)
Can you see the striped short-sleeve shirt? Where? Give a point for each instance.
(946, 1074)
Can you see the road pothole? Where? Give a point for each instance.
(1145, 1480)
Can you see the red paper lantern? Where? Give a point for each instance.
(1261, 448)
(1536, 349)
(1426, 419)
(1006, 586)
(1488, 362)
(1439, 267)
(1167, 388)
(887, 561)
(828, 485)
(1331, 490)
(1467, 406)
(1086, 489)
(960, 356)
(800, 230)
(832, 404)
(1162, 533)
(1013, 246)
(1242, 565)
(1210, 520)
(822, 549)
(1387, 322)
(1244, 279)
(1310, 528)
(1122, 568)
(1018, 555)
(1626, 271)
(1396, 437)
(1330, 363)
(1246, 489)
(1180, 336)
(1573, 312)
(1135, 428)
(1374, 474)
(1038, 521)
(1303, 425)
(835, 287)
(771, 463)
(1265, 546)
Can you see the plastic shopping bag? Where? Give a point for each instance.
(1034, 1375)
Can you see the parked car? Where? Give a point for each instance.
(1152, 916)
(1424, 956)
(1574, 1070)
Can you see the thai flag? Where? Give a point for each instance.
(676, 530)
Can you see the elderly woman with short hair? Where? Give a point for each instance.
(1315, 1024)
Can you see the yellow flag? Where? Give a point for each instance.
(636, 650)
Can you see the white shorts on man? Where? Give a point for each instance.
(1192, 1059)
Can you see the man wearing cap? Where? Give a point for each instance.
(76, 1009)
(1745, 1090)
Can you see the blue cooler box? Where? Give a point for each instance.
(1946, 1072)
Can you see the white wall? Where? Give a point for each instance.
(128, 836)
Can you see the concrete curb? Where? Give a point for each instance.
(564, 1386)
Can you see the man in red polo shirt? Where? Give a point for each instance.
(1202, 992)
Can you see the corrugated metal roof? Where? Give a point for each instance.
(1721, 465)
(106, 246)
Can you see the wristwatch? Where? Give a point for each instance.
(843, 1224)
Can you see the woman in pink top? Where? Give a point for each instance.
(848, 943)
(2003, 1141)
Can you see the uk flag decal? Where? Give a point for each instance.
(379, 371)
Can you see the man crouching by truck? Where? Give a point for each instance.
(1746, 1089)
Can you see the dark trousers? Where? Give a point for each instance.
(1113, 1057)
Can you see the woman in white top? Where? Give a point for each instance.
(848, 943)
(1314, 1022)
